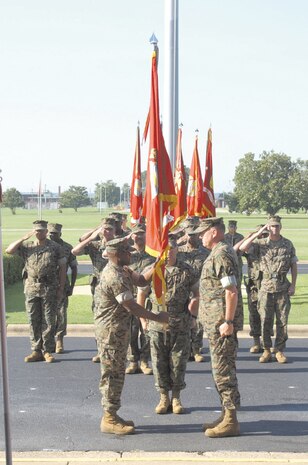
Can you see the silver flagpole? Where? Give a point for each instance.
(8, 447)
(171, 83)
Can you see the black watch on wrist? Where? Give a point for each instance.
(229, 322)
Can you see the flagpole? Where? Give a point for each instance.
(6, 409)
(171, 79)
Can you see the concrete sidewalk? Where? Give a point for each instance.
(155, 458)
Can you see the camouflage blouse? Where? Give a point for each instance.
(221, 262)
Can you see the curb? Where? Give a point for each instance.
(155, 458)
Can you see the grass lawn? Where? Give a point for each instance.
(295, 226)
(79, 311)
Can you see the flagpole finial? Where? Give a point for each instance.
(181, 125)
(153, 39)
(138, 123)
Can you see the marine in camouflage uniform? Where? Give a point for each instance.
(253, 284)
(194, 254)
(277, 257)
(139, 347)
(170, 350)
(55, 231)
(44, 279)
(93, 244)
(222, 317)
(114, 303)
(232, 237)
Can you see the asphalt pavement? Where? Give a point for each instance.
(56, 407)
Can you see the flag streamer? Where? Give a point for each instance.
(209, 209)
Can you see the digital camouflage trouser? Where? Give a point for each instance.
(223, 355)
(271, 305)
(41, 313)
(61, 319)
(196, 338)
(169, 359)
(112, 347)
(137, 335)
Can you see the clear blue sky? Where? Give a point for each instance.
(75, 79)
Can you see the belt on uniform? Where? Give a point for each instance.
(276, 276)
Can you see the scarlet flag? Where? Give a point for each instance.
(180, 210)
(208, 186)
(195, 190)
(160, 196)
(136, 187)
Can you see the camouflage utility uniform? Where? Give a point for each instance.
(169, 358)
(95, 249)
(112, 330)
(138, 262)
(276, 258)
(233, 239)
(195, 257)
(253, 284)
(41, 280)
(71, 262)
(221, 262)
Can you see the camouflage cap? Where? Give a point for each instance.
(274, 220)
(208, 223)
(54, 228)
(39, 225)
(232, 223)
(117, 245)
(138, 228)
(108, 223)
(191, 230)
(116, 216)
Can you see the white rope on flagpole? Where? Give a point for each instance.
(6, 409)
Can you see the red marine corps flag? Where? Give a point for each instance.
(195, 188)
(160, 196)
(180, 210)
(208, 186)
(136, 187)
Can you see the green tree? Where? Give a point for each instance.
(12, 199)
(247, 184)
(231, 201)
(108, 191)
(278, 175)
(75, 197)
(268, 183)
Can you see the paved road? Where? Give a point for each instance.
(57, 406)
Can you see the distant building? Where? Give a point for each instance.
(220, 200)
(50, 200)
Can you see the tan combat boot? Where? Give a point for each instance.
(35, 356)
(96, 358)
(199, 358)
(266, 356)
(228, 427)
(177, 406)
(146, 370)
(132, 368)
(59, 346)
(256, 348)
(280, 357)
(111, 423)
(214, 423)
(48, 357)
(164, 403)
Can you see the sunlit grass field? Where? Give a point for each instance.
(79, 311)
(295, 226)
